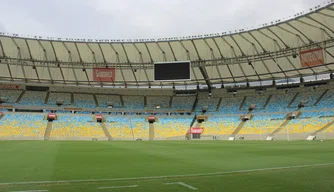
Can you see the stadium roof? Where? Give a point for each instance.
(269, 52)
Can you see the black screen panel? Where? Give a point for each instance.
(172, 71)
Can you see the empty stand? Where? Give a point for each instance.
(24, 126)
(325, 127)
(84, 100)
(259, 101)
(11, 95)
(54, 97)
(231, 105)
(34, 98)
(211, 103)
(133, 102)
(76, 127)
(320, 98)
(154, 101)
(106, 100)
(183, 102)
(293, 100)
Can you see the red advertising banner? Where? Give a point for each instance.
(196, 130)
(151, 118)
(52, 115)
(313, 57)
(99, 116)
(104, 74)
(9, 86)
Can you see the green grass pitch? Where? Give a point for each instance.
(127, 166)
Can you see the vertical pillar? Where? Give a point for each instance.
(151, 120)
(151, 131)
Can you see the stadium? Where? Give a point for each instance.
(242, 110)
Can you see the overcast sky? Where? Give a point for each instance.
(112, 19)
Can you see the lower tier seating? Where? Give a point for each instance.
(68, 126)
(132, 127)
(22, 125)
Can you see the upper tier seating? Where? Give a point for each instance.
(211, 103)
(103, 100)
(231, 105)
(54, 97)
(22, 125)
(327, 101)
(279, 102)
(258, 100)
(84, 100)
(10, 95)
(33, 98)
(310, 96)
(133, 102)
(153, 101)
(183, 102)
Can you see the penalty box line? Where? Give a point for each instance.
(166, 176)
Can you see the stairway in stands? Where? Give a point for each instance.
(48, 131)
(106, 132)
(325, 127)
(20, 97)
(320, 98)
(237, 130)
(285, 123)
(293, 100)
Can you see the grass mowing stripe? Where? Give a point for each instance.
(166, 176)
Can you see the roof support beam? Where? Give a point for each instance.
(222, 57)
(45, 58)
(213, 58)
(279, 38)
(102, 53)
(170, 46)
(188, 58)
(321, 25)
(58, 62)
(258, 42)
(255, 51)
(142, 61)
(4, 55)
(233, 54)
(118, 64)
(32, 59)
(82, 63)
(72, 63)
(162, 51)
(127, 58)
(202, 68)
(295, 28)
(19, 60)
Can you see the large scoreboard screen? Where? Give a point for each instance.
(172, 71)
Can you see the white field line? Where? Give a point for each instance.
(183, 184)
(31, 191)
(118, 187)
(165, 176)
(186, 185)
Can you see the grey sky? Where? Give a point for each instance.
(111, 19)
